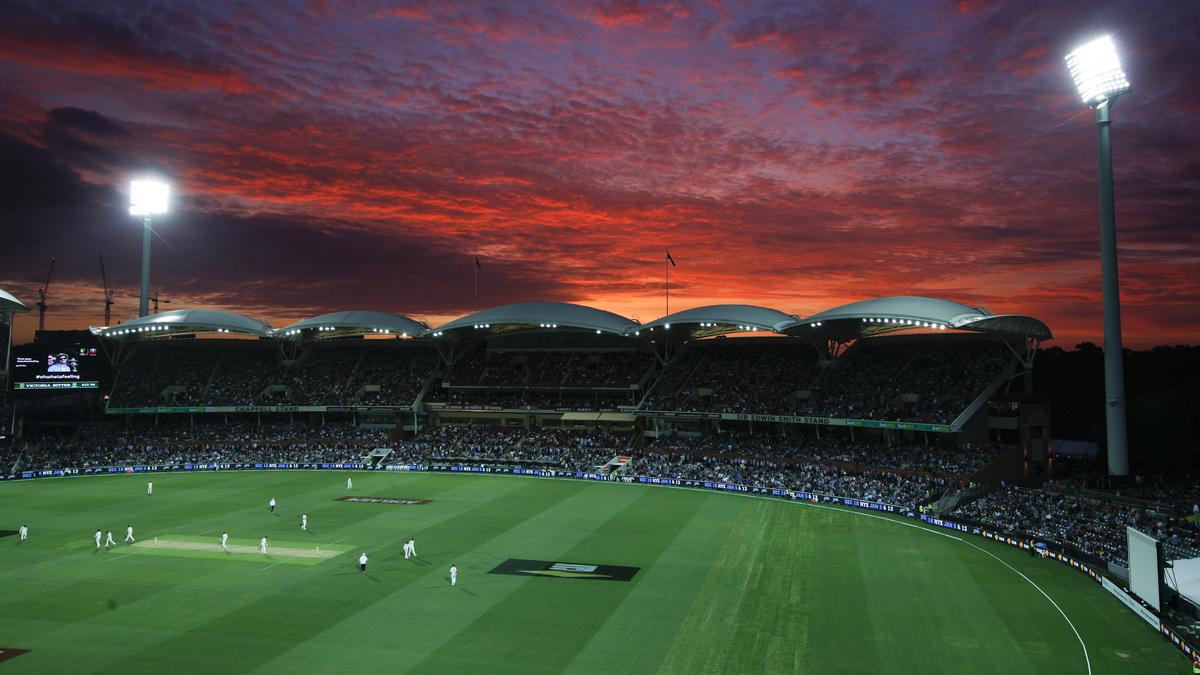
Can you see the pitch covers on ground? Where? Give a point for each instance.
(564, 570)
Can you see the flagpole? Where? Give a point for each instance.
(477, 284)
(667, 288)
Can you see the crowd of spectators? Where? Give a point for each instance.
(584, 450)
(1095, 526)
(953, 462)
(241, 373)
(927, 379)
(550, 369)
(930, 379)
(889, 487)
(737, 376)
(115, 445)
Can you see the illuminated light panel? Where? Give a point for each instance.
(148, 197)
(1097, 71)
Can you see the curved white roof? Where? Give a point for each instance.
(883, 315)
(9, 303)
(353, 322)
(539, 315)
(719, 319)
(182, 321)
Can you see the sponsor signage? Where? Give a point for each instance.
(799, 419)
(384, 500)
(556, 569)
(168, 410)
(1147, 615)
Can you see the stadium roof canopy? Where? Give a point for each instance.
(710, 320)
(355, 322)
(9, 303)
(898, 313)
(184, 322)
(535, 316)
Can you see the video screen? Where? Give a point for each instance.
(55, 368)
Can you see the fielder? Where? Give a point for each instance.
(304, 522)
(110, 541)
(349, 485)
(362, 563)
(407, 551)
(224, 541)
(129, 535)
(24, 532)
(412, 547)
(272, 504)
(453, 575)
(262, 546)
(97, 540)
(150, 488)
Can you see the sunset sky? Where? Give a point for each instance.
(359, 155)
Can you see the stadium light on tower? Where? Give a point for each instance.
(1098, 76)
(147, 198)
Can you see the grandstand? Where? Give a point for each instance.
(910, 405)
(835, 368)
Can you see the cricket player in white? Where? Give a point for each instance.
(24, 531)
(407, 550)
(110, 541)
(224, 540)
(303, 522)
(272, 504)
(349, 485)
(97, 539)
(412, 547)
(149, 488)
(129, 535)
(453, 575)
(362, 563)
(262, 546)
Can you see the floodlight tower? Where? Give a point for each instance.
(1098, 76)
(147, 198)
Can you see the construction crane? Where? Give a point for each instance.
(155, 300)
(41, 303)
(108, 294)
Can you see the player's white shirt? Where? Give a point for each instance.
(362, 559)
(272, 503)
(453, 575)
(262, 545)
(224, 538)
(97, 538)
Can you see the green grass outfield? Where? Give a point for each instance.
(726, 584)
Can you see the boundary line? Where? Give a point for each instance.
(859, 513)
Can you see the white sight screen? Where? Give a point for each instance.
(1143, 566)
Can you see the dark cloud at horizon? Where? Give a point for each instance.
(796, 156)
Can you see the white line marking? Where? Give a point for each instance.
(676, 487)
(1039, 589)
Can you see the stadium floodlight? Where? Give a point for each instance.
(147, 198)
(1097, 71)
(1098, 76)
